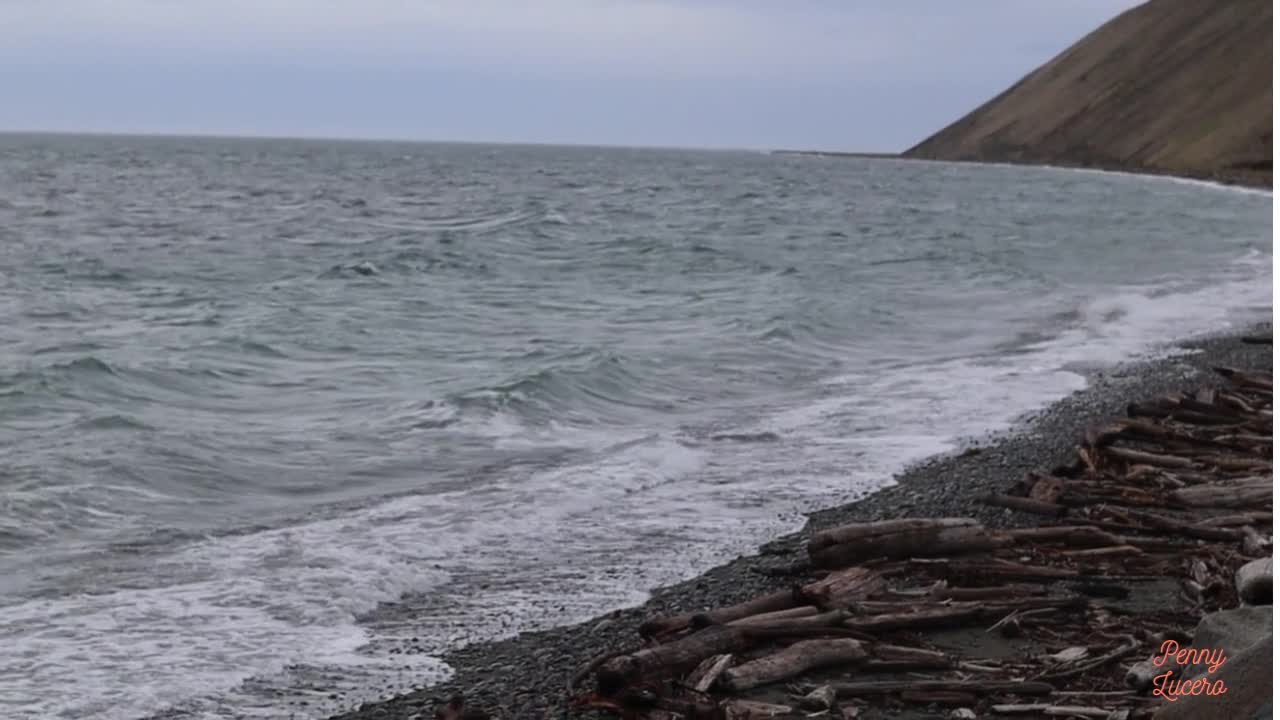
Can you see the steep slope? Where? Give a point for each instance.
(1179, 86)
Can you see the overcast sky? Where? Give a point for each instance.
(873, 75)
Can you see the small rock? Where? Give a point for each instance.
(849, 712)
(962, 714)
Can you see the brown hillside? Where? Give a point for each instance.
(1179, 86)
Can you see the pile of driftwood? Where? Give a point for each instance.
(1178, 493)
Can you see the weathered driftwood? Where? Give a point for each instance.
(896, 658)
(1246, 518)
(990, 569)
(1172, 525)
(939, 697)
(1147, 458)
(955, 615)
(1070, 535)
(1079, 493)
(1252, 492)
(771, 617)
(708, 671)
(896, 539)
(747, 710)
(999, 592)
(1164, 435)
(685, 653)
(862, 531)
(1128, 647)
(1235, 463)
(843, 587)
(1241, 378)
(891, 687)
(660, 627)
(822, 697)
(1236, 402)
(792, 661)
(1111, 551)
(1053, 710)
(677, 656)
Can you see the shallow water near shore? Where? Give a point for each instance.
(254, 391)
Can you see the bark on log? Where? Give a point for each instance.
(1247, 518)
(940, 697)
(771, 617)
(1192, 417)
(982, 687)
(1237, 463)
(1052, 710)
(747, 710)
(862, 531)
(677, 656)
(1106, 551)
(1168, 524)
(1130, 646)
(1241, 405)
(1146, 458)
(1003, 592)
(661, 627)
(1070, 535)
(894, 539)
(1243, 493)
(1080, 493)
(1245, 379)
(843, 587)
(820, 698)
(947, 616)
(708, 671)
(792, 661)
(993, 569)
(896, 658)
(685, 653)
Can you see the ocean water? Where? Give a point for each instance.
(256, 393)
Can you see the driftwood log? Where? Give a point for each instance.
(896, 539)
(890, 687)
(661, 627)
(792, 661)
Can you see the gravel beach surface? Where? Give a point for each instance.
(526, 676)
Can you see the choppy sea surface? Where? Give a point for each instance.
(253, 390)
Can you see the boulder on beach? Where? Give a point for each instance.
(1253, 582)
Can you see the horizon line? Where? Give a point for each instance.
(216, 135)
